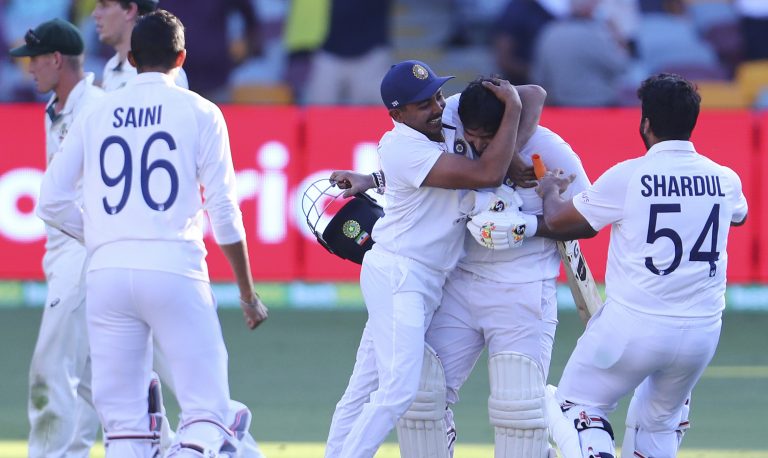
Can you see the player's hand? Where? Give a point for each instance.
(554, 181)
(352, 182)
(520, 173)
(504, 91)
(254, 311)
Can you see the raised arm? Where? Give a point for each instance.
(532, 98)
(452, 171)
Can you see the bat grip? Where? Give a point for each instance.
(539, 169)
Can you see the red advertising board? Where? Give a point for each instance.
(279, 151)
(266, 154)
(758, 210)
(22, 161)
(338, 138)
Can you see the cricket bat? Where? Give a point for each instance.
(580, 281)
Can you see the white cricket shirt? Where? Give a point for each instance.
(537, 258)
(670, 212)
(117, 73)
(56, 127)
(143, 154)
(421, 222)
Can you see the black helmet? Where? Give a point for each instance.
(348, 233)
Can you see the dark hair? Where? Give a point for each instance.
(479, 108)
(157, 39)
(671, 104)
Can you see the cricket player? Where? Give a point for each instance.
(503, 299)
(418, 241)
(114, 22)
(61, 415)
(670, 212)
(145, 155)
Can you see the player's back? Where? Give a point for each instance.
(147, 150)
(668, 250)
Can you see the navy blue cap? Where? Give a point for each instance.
(408, 82)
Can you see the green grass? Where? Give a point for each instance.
(17, 449)
(292, 370)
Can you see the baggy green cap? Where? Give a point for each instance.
(51, 36)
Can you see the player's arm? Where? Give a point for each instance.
(452, 171)
(217, 176)
(254, 311)
(354, 182)
(57, 204)
(739, 223)
(532, 98)
(561, 220)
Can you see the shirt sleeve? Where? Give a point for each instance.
(409, 163)
(603, 203)
(217, 176)
(58, 203)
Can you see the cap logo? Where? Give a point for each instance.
(31, 39)
(351, 228)
(420, 72)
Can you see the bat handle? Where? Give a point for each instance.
(539, 169)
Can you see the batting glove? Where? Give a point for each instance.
(498, 230)
(475, 202)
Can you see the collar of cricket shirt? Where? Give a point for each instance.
(672, 145)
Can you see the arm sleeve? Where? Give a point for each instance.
(58, 204)
(409, 165)
(603, 203)
(217, 176)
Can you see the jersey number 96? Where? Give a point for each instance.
(126, 173)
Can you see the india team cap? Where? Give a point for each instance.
(408, 82)
(51, 36)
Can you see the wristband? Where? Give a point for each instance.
(378, 182)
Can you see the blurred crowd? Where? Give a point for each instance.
(584, 52)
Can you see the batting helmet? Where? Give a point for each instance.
(348, 233)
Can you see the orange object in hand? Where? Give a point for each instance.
(539, 169)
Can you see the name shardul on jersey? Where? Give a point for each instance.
(683, 186)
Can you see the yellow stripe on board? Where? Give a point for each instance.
(18, 449)
(736, 372)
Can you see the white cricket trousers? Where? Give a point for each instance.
(62, 419)
(475, 312)
(621, 348)
(401, 296)
(125, 308)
